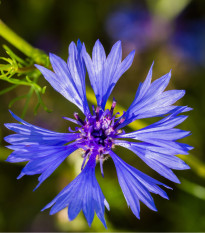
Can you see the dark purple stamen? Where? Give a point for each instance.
(78, 118)
(97, 112)
(113, 106)
(119, 122)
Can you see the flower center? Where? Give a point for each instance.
(98, 132)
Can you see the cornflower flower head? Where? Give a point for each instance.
(101, 130)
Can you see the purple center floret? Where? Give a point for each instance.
(98, 132)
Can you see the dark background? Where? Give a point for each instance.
(170, 32)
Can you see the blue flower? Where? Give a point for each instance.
(133, 25)
(101, 130)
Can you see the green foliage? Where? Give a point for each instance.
(21, 72)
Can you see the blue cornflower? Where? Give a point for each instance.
(101, 130)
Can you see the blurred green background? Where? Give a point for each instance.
(170, 32)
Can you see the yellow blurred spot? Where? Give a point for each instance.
(168, 9)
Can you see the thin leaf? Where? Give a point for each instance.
(13, 55)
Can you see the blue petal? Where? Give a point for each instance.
(83, 193)
(68, 79)
(77, 204)
(28, 134)
(77, 69)
(145, 85)
(44, 149)
(121, 69)
(162, 133)
(113, 60)
(170, 134)
(152, 101)
(46, 161)
(99, 58)
(161, 160)
(136, 186)
(104, 73)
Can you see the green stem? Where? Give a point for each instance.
(36, 54)
(20, 82)
(22, 70)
